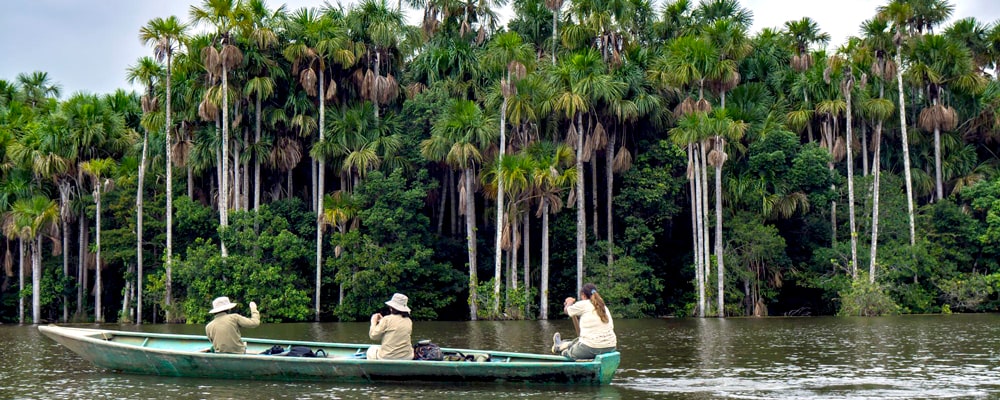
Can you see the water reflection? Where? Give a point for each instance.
(781, 358)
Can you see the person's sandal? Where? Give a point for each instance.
(556, 343)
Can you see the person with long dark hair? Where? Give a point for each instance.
(595, 327)
(393, 331)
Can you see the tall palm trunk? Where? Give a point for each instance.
(81, 266)
(543, 285)
(445, 183)
(705, 240)
(555, 20)
(224, 182)
(320, 180)
(864, 148)
(593, 192)
(36, 279)
(256, 159)
(470, 230)
(720, 266)
(906, 148)
(938, 181)
(850, 185)
(526, 242)
(500, 208)
(138, 230)
(20, 281)
(609, 174)
(168, 279)
(581, 209)
(98, 313)
(696, 226)
(63, 207)
(875, 201)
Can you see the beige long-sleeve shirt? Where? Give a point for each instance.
(394, 331)
(224, 331)
(593, 332)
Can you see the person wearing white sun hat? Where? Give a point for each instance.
(224, 330)
(393, 331)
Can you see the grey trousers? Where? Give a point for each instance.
(578, 351)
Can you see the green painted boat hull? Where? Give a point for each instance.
(186, 356)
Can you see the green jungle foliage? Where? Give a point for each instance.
(684, 164)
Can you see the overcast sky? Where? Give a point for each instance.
(86, 45)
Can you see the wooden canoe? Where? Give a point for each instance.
(188, 356)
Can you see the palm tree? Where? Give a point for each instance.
(804, 34)
(457, 138)
(149, 73)
(321, 39)
(258, 23)
(579, 81)
(99, 170)
(940, 64)
(29, 220)
(166, 35)
(221, 14)
(554, 173)
(508, 53)
(37, 88)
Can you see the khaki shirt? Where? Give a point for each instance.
(593, 333)
(394, 332)
(224, 331)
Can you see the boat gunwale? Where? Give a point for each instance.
(94, 335)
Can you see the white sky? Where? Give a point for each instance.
(86, 45)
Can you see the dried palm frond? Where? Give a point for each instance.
(571, 201)
(462, 195)
(207, 110)
(600, 137)
(237, 120)
(507, 89)
(864, 81)
(149, 104)
(231, 56)
(949, 118)
(876, 69)
(331, 90)
(588, 148)
(717, 157)
(181, 152)
(890, 70)
(358, 77)
(823, 143)
(685, 107)
(703, 106)
(308, 80)
(368, 89)
(415, 88)
(210, 58)
(839, 149)
(553, 4)
(730, 81)
(464, 28)
(8, 263)
(897, 39)
(517, 70)
(481, 35)
(389, 90)
(826, 74)
(571, 136)
(623, 160)
(505, 237)
(689, 173)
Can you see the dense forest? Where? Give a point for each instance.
(318, 160)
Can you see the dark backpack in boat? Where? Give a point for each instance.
(427, 351)
(274, 350)
(300, 351)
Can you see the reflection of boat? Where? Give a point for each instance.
(188, 356)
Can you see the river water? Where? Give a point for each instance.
(906, 357)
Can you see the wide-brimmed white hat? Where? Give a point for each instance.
(398, 302)
(221, 304)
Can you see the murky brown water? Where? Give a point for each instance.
(911, 357)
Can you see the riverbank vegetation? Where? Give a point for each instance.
(318, 160)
